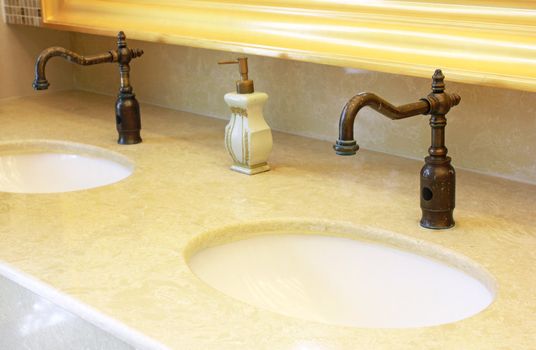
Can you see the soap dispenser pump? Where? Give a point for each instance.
(248, 138)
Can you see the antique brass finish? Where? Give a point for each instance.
(127, 109)
(438, 182)
(245, 85)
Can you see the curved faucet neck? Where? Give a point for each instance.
(437, 103)
(123, 55)
(346, 145)
(41, 82)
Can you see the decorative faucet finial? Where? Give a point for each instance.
(121, 40)
(438, 82)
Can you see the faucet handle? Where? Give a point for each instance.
(245, 85)
(136, 53)
(440, 101)
(124, 54)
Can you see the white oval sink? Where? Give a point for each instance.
(56, 166)
(343, 281)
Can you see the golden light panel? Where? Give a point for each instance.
(480, 42)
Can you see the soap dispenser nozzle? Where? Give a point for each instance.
(245, 85)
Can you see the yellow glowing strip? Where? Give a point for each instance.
(471, 40)
(284, 27)
(412, 50)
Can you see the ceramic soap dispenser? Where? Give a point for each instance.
(248, 138)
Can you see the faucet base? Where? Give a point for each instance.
(128, 120)
(437, 220)
(438, 187)
(129, 138)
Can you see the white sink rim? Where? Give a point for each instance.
(362, 233)
(47, 146)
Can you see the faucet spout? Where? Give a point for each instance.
(41, 82)
(346, 145)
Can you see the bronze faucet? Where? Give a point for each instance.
(437, 175)
(127, 109)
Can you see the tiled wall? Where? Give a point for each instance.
(26, 12)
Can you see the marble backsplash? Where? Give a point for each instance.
(492, 131)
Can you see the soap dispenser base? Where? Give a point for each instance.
(259, 168)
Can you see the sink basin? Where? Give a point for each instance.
(56, 166)
(342, 275)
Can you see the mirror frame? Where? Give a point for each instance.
(472, 41)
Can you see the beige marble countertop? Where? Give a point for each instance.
(120, 248)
